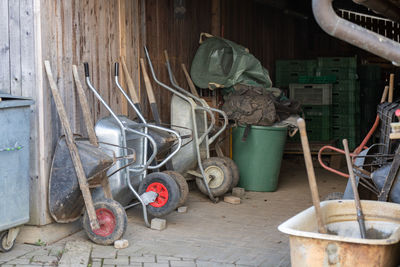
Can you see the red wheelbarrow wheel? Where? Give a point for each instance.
(167, 190)
(112, 219)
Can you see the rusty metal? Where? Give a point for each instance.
(382, 7)
(349, 32)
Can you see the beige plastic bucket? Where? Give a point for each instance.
(345, 248)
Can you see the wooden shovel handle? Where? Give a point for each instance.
(311, 175)
(129, 82)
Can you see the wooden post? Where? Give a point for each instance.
(391, 87)
(73, 150)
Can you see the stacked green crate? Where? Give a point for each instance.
(289, 71)
(345, 97)
(316, 102)
(371, 88)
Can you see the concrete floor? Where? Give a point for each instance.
(208, 234)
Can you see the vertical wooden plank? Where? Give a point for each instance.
(27, 47)
(116, 97)
(15, 46)
(122, 49)
(4, 48)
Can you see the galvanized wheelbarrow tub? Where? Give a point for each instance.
(65, 197)
(342, 246)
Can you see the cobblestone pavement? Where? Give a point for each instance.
(208, 234)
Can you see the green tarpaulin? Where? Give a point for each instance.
(220, 63)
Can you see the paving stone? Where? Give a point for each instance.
(96, 264)
(121, 244)
(213, 264)
(158, 224)
(45, 259)
(154, 264)
(166, 259)
(238, 192)
(182, 209)
(143, 259)
(182, 264)
(19, 261)
(119, 260)
(103, 252)
(232, 200)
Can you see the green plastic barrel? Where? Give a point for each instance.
(259, 157)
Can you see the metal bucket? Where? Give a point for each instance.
(342, 246)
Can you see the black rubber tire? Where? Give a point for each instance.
(3, 240)
(223, 182)
(170, 187)
(334, 196)
(182, 184)
(112, 207)
(235, 171)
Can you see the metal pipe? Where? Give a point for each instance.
(354, 34)
(384, 8)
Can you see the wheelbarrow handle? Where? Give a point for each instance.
(86, 66)
(116, 69)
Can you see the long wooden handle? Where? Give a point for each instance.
(73, 150)
(391, 88)
(385, 93)
(311, 175)
(189, 81)
(149, 87)
(85, 108)
(129, 82)
(150, 93)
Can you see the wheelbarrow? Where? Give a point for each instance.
(157, 193)
(79, 165)
(214, 175)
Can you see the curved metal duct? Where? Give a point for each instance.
(354, 34)
(385, 8)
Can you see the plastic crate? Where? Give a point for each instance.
(343, 109)
(346, 86)
(337, 62)
(339, 73)
(311, 94)
(317, 110)
(346, 121)
(346, 98)
(317, 79)
(284, 78)
(316, 122)
(284, 65)
(321, 134)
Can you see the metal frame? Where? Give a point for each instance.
(145, 164)
(196, 104)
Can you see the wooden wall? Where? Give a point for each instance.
(73, 32)
(100, 32)
(179, 36)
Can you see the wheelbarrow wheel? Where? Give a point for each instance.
(235, 171)
(219, 177)
(182, 184)
(3, 242)
(112, 219)
(168, 193)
